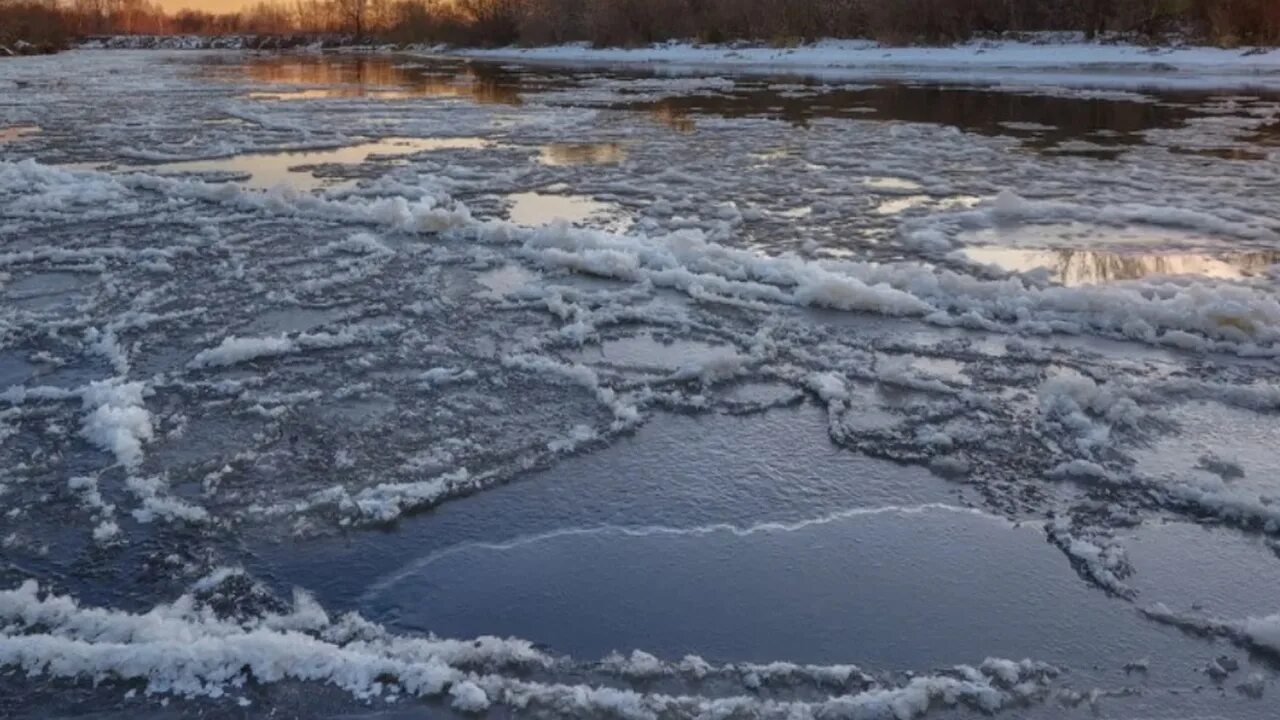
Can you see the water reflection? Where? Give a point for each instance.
(582, 154)
(260, 171)
(1268, 134)
(377, 78)
(674, 118)
(797, 213)
(534, 209)
(349, 91)
(1099, 127)
(1074, 267)
(888, 182)
(1042, 121)
(17, 132)
(897, 205)
(1222, 153)
(901, 204)
(1095, 153)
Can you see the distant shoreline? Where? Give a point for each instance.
(1062, 59)
(1049, 58)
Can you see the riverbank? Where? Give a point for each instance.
(240, 41)
(1043, 58)
(1057, 59)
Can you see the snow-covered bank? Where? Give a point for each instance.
(245, 41)
(1072, 62)
(1061, 59)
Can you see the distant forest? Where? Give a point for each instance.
(46, 25)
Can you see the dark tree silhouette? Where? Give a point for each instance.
(354, 14)
(1230, 23)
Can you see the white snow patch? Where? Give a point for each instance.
(469, 697)
(234, 350)
(117, 419)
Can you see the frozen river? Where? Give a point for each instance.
(339, 386)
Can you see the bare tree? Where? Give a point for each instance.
(353, 14)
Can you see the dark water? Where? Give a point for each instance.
(681, 472)
(1115, 121)
(839, 590)
(753, 538)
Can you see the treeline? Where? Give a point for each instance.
(52, 23)
(80, 18)
(28, 26)
(635, 22)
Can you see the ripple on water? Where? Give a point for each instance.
(796, 550)
(1216, 445)
(46, 290)
(843, 587)
(292, 319)
(1235, 574)
(735, 556)
(14, 370)
(678, 471)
